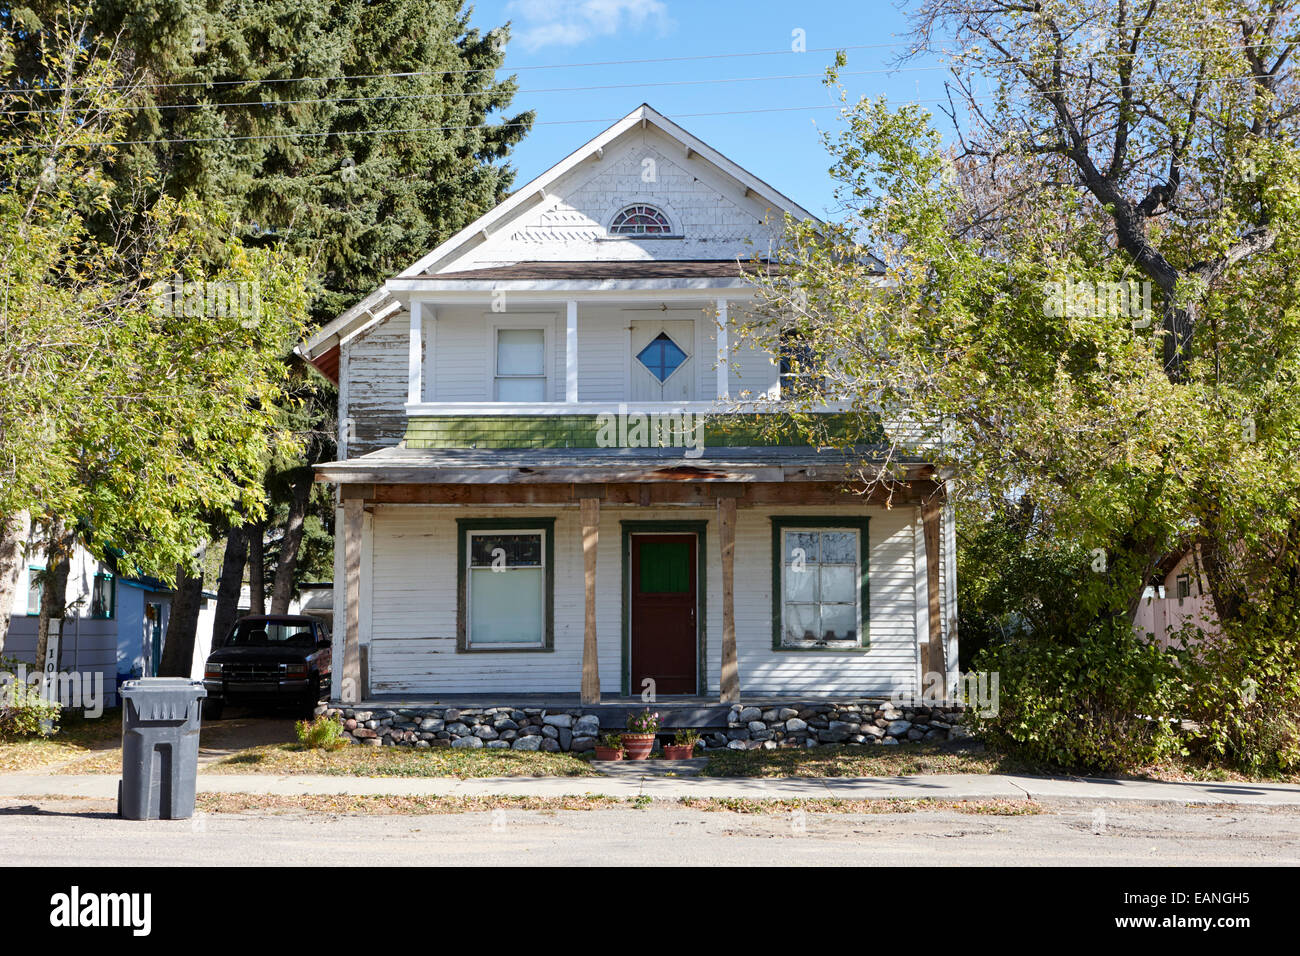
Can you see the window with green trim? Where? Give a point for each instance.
(506, 584)
(103, 596)
(34, 588)
(819, 585)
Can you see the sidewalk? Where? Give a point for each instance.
(930, 786)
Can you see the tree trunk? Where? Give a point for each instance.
(13, 537)
(54, 588)
(287, 566)
(182, 626)
(257, 568)
(232, 579)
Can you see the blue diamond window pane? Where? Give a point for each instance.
(661, 357)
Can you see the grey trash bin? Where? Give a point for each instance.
(160, 747)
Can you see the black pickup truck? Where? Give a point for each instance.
(269, 659)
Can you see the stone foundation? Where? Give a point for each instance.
(857, 722)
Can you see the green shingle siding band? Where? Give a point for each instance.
(583, 431)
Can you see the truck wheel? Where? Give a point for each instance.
(212, 709)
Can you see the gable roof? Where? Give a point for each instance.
(321, 349)
(644, 115)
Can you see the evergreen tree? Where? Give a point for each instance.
(262, 110)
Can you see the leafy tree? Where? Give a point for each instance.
(129, 415)
(264, 109)
(1145, 154)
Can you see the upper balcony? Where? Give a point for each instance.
(548, 368)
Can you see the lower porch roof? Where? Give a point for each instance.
(399, 465)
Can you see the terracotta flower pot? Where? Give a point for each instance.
(638, 746)
(609, 753)
(678, 751)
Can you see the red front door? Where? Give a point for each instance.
(663, 628)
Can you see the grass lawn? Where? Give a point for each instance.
(76, 738)
(354, 761)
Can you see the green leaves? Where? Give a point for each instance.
(132, 416)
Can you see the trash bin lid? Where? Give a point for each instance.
(163, 684)
(162, 698)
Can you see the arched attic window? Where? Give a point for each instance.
(640, 220)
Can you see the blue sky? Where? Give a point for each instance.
(550, 37)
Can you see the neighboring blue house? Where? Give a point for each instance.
(115, 625)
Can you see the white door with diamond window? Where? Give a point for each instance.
(663, 366)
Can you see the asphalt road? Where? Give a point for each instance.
(78, 832)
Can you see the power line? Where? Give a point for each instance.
(565, 66)
(421, 96)
(423, 129)
(494, 69)
(268, 104)
(321, 134)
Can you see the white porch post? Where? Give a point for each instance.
(723, 350)
(415, 358)
(571, 352)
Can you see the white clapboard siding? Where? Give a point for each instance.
(412, 608)
(460, 360)
(751, 373)
(376, 375)
(889, 664)
(602, 353)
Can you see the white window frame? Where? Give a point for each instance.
(857, 533)
(470, 643)
(543, 322)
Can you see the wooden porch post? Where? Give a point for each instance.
(932, 661)
(727, 541)
(590, 664)
(350, 682)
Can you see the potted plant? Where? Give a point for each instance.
(640, 737)
(609, 747)
(683, 745)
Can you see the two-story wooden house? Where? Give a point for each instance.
(534, 498)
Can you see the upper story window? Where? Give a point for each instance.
(640, 220)
(800, 377)
(521, 365)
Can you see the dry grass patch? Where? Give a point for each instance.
(997, 808)
(394, 805)
(359, 761)
(77, 737)
(905, 760)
